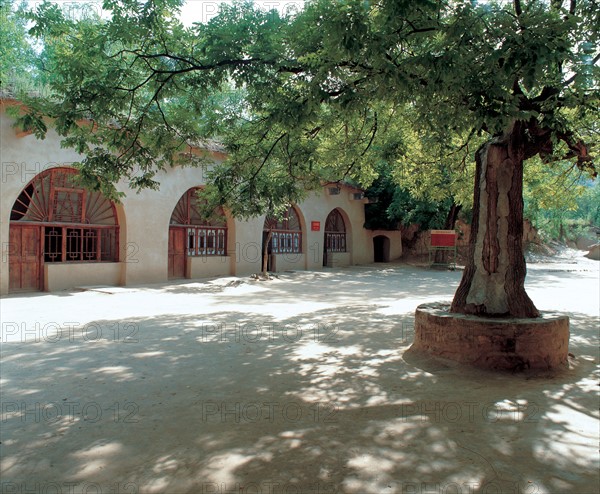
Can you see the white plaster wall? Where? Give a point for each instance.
(209, 266)
(290, 262)
(144, 221)
(338, 259)
(317, 207)
(62, 276)
(247, 248)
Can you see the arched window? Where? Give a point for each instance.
(78, 225)
(206, 231)
(286, 233)
(335, 232)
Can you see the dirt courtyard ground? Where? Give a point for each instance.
(301, 384)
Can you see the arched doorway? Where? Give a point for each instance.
(335, 237)
(194, 232)
(56, 220)
(381, 248)
(281, 236)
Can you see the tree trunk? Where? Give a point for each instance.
(265, 262)
(493, 283)
(452, 216)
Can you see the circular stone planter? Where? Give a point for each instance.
(500, 344)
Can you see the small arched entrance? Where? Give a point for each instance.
(334, 240)
(381, 248)
(56, 220)
(194, 232)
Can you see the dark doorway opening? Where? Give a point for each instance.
(381, 248)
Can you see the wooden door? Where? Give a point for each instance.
(25, 266)
(177, 246)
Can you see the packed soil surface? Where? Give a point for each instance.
(298, 384)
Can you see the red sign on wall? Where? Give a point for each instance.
(315, 226)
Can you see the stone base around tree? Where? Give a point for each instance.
(492, 343)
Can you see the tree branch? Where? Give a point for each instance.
(574, 76)
(518, 9)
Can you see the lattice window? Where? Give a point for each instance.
(285, 242)
(75, 244)
(79, 225)
(206, 233)
(67, 206)
(289, 221)
(207, 241)
(191, 210)
(53, 244)
(335, 232)
(54, 196)
(109, 244)
(286, 233)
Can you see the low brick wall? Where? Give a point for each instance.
(502, 344)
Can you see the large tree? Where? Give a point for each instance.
(318, 95)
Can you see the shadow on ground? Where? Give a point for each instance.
(305, 385)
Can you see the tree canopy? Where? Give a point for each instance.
(330, 93)
(325, 93)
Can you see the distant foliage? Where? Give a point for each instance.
(396, 206)
(17, 57)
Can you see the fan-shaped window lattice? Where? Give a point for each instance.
(55, 197)
(191, 210)
(77, 224)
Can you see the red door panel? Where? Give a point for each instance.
(177, 238)
(24, 258)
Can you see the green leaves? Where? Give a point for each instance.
(16, 55)
(325, 94)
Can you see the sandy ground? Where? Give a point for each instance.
(296, 385)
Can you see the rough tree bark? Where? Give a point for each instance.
(265, 261)
(452, 216)
(493, 283)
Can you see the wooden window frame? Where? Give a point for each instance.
(100, 255)
(198, 248)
